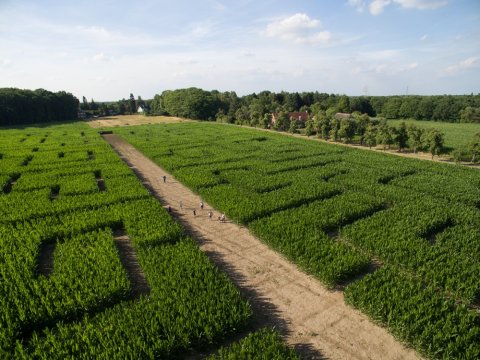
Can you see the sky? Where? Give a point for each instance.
(105, 50)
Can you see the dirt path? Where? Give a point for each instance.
(128, 257)
(314, 320)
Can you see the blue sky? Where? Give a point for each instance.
(106, 50)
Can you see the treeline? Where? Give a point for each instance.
(250, 109)
(121, 107)
(18, 106)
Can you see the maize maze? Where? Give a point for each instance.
(400, 236)
(66, 287)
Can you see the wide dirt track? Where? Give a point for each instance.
(313, 319)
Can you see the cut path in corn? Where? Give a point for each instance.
(311, 318)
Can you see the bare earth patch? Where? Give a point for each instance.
(313, 319)
(131, 120)
(128, 257)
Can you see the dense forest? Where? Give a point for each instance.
(19, 106)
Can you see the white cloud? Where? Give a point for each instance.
(246, 54)
(412, 66)
(424, 37)
(357, 4)
(218, 6)
(421, 4)
(101, 57)
(201, 30)
(380, 55)
(376, 6)
(97, 32)
(5, 63)
(299, 28)
(471, 62)
(188, 61)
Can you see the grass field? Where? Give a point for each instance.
(457, 135)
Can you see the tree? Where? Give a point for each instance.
(401, 137)
(415, 137)
(156, 105)
(193, 103)
(132, 108)
(93, 105)
(474, 147)
(323, 125)
(470, 115)
(292, 102)
(409, 107)
(362, 105)
(140, 102)
(282, 122)
(346, 130)
(361, 123)
(385, 135)
(370, 136)
(391, 108)
(242, 115)
(425, 108)
(309, 127)
(432, 140)
(335, 127)
(293, 127)
(266, 121)
(85, 105)
(343, 105)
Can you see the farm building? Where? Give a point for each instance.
(342, 116)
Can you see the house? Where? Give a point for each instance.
(301, 116)
(81, 114)
(141, 108)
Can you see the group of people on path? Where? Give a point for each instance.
(221, 218)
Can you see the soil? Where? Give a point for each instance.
(314, 320)
(45, 259)
(130, 120)
(128, 257)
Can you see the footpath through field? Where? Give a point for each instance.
(314, 320)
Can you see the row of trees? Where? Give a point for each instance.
(18, 106)
(369, 132)
(363, 130)
(228, 107)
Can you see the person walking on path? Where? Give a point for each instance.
(222, 218)
(210, 214)
(164, 179)
(181, 205)
(201, 205)
(194, 212)
(169, 209)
